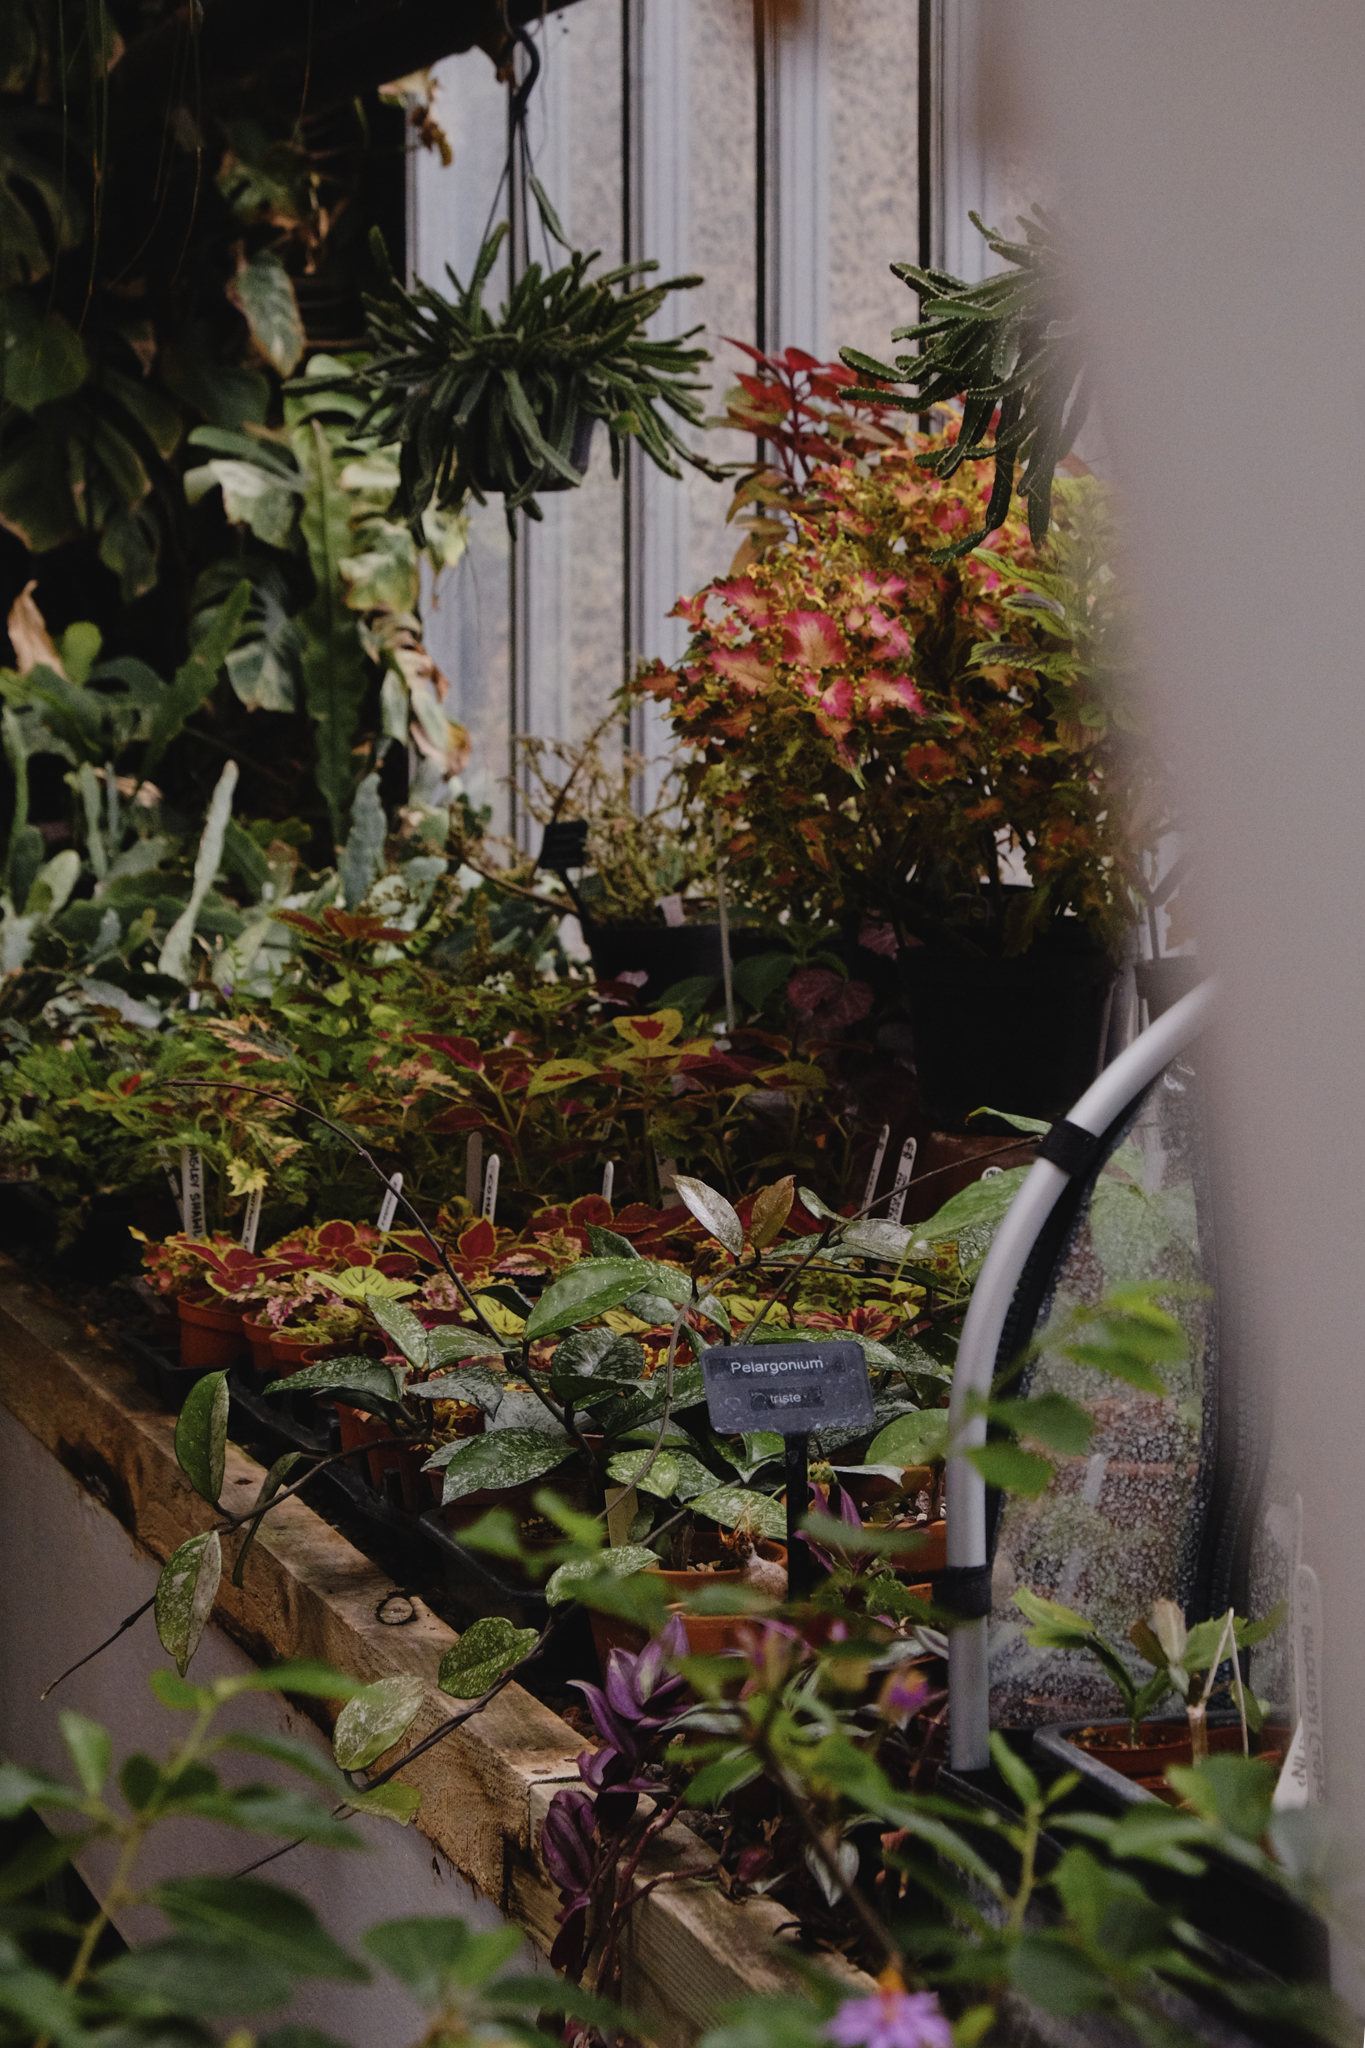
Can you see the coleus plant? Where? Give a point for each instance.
(877, 762)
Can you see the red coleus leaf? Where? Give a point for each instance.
(478, 1241)
(811, 830)
(589, 1209)
(746, 599)
(883, 692)
(813, 640)
(462, 1052)
(335, 1237)
(463, 1117)
(810, 987)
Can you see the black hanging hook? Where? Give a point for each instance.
(523, 91)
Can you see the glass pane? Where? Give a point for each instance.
(1121, 1524)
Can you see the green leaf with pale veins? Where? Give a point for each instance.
(502, 1458)
(587, 1290)
(401, 1327)
(185, 1594)
(487, 1648)
(733, 1505)
(201, 1436)
(265, 293)
(568, 1582)
(375, 1719)
(714, 1213)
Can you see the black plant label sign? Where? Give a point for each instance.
(792, 1388)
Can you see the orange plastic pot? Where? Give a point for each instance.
(929, 1555)
(210, 1337)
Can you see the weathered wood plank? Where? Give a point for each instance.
(310, 1593)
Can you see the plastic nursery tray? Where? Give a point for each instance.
(472, 1577)
(157, 1367)
(480, 1588)
(274, 1420)
(1112, 1787)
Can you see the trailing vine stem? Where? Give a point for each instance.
(224, 1527)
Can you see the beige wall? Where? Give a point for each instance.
(1212, 161)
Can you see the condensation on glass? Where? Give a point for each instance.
(1121, 1523)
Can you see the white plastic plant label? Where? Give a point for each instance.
(875, 1170)
(905, 1167)
(251, 1219)
(1291, 1787)
(490, 1187)
(163, 1154)
(608, 1179)
(388, 1208)
(192, 1191)
(1306, 1624)
(672, 908)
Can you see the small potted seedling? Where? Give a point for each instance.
(1140, 1748)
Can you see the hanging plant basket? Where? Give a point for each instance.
(486, 406)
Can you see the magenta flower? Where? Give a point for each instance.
(893, 2019)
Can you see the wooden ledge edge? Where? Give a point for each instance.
(309, 1593)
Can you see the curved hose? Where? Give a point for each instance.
(1105, 1099)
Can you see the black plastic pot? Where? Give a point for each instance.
(668, 953)
(1024, 1034)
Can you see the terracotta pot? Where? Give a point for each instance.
(358, 1429)
(291, 1353)
(707, 1634)
(1160, 1745)
(929, 1555)
(706, 1550)
(210, 1336)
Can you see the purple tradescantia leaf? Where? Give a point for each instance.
(615, 1728)
(566, 1840)
(567, 1953)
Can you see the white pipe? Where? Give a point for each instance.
(1103, 1101)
